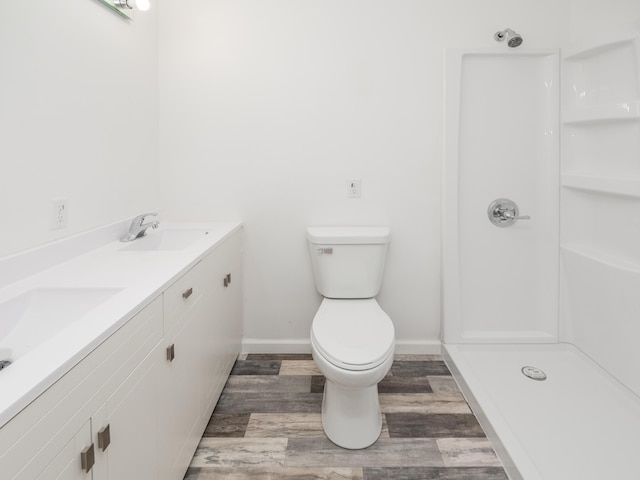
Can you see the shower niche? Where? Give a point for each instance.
(600, 201)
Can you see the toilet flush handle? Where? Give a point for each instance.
(325, 251)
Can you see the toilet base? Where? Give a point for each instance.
(351, 417)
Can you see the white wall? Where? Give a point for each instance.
(78, 117)
(594, 16)
(267, 108)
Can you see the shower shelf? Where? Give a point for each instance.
(603, 113)
(600, 257)
(613, 185)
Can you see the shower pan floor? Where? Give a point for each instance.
(580, 423)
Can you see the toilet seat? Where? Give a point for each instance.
(353, 334)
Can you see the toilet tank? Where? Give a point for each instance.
(348, 262)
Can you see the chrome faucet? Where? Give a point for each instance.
(138, 228)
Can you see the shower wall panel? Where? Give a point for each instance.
(501, 283)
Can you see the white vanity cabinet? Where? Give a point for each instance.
(137, 405)
(47, 438)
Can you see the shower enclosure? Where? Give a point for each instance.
(557, 291)
(503, 143)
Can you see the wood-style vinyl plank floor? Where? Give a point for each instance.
(267, 426)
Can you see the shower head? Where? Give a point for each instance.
(513, 39)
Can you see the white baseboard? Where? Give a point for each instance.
(420, 347)
(275, 345)
(302, 345)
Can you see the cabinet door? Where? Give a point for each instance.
(125, 429)
(67, 464)
(223, 319)
(180, 400)
(231, 305)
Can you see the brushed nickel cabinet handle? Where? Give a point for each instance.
(88, 458)
(171, 352)
(104, 438)
(187, 293)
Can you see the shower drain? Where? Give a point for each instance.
(4, 364)
(534, 373)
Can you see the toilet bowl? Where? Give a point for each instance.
(352, 343)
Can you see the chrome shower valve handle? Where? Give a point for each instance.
(504, 213)
(510, 215)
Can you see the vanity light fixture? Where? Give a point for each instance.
(142, 5)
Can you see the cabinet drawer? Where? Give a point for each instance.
(182, 296)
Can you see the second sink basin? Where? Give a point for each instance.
(37, 315)
(168, 239)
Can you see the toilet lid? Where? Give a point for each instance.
(353, 334)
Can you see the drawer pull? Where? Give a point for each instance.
(187, 293)
(225, 282)
(104, 438)
(88, 458)
(229, 278)
(171, 352)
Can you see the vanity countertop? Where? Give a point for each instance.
(134, 273)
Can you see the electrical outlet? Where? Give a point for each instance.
(354, 188)
(59, 213)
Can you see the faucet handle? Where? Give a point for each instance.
(140, 218)
(504, 213)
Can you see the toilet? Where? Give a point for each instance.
(352, 338)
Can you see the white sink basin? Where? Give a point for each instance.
(37, 315)
(168, 239)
